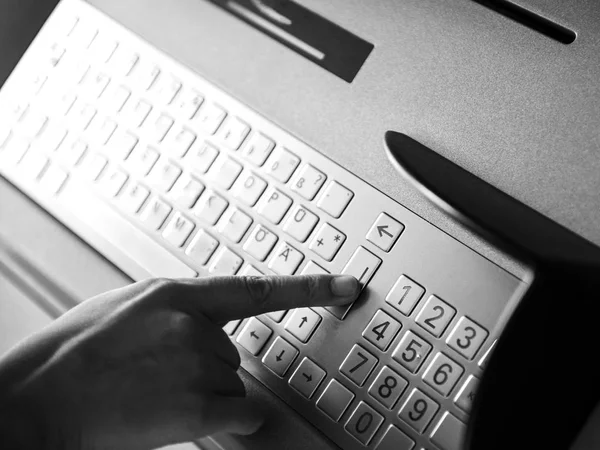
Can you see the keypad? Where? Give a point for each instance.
(217, 192)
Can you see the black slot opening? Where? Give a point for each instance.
(531, 20)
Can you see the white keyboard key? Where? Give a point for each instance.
(70, 152)
(101, 130)
(308, 182)
(442, 374)
(254, 336)
(187, 103)
(335, 199)
(312, 268)
(449, 433)
(155, 213)
(394, 439)
(83, 35)
(234, 132)
(200, 157)
(418, 410)
(364, 423)
(144, 74)
(5, 133)
(53, 180)
(123, 61)
(165, 89)
(258, 149)
(151, 257)
(235, 225)
(179, 142)
(381, 330)
(121, 144)
(303, 323)
(249, 187)
(202, 247)
(274, 205)
(327, 242)
(210, 207)
(285, 260)
(250, 271)
(102, 49)
(115, 97)
(307, 378)
(260, 243)
(52, 136)
(32, 123)
(158, 128)
(280, 356)
(94, 84)
(14, 149)
(404, 295)
(282, 164)
(230, 328)
(334, 400)
(225, 171)
(80, 115)
(32, 164)
(141, 160)
(113, 181)
(135, 112)
(178, 230)
(133, 197)
(385, 232)
(225, 263)
(209, 118)
(300, 223)
(466, 395)
(163, 175)
(187, 191)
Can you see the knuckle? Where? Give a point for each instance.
(181, 324)
(258, 289)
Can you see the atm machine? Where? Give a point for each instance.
(444, 153)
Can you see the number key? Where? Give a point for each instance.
(387, 387)
(308, 182)
(411, 351)
(466, 337)
(358, 365)
(418, 410)
(364, 423)
(382, 329)
(435, 315)
(442, 374)
(405, 295)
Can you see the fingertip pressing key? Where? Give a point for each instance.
(344, 286)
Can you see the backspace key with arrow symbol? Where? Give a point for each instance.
(385, 232)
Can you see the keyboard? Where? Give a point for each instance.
(167, 175)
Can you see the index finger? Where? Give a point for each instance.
(228, 298)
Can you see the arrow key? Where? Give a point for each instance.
(254, 336)
(307, 378)
(302, 323)
(385, 232)
(280, 356)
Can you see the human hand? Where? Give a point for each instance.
(147, 365)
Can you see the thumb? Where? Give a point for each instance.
(228, 298)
